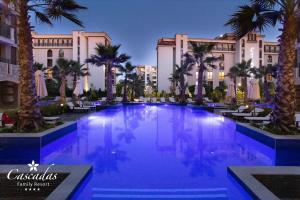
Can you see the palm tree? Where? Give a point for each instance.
(45, 11)
(233, 75)
(77, 71)
(136, 84)
(242, 70)
(108, 56)
(257, 16)
(203, 60)
(174, 79)
(126, 70)
(181, 72)
(262, 73)
(63, 68)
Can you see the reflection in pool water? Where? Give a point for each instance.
(158, 151)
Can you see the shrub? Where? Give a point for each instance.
(52, 110)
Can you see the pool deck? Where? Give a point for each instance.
(245, 176)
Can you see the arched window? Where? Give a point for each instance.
(61, 53)
(243, 43)
(270, 59)
(49, 53)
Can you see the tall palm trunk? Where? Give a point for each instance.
(285, 98)
(199, 98)
(244, 83)
(62, 89)
(109, 85)
(29, 115)
(234, 100)
(125, 90)
(182, 90)
(75, 98)
(266, 90)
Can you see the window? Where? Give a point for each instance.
(260, 44)
(270, 59)
(221, 76)
(243, 53)
(269, 78)
(209, 75)
(221, 66)
(49, 62)
(260, 63)
(61, 53)
(243, 43)
(260, 53)
(78, 41)
(49, 53)
(181, 44)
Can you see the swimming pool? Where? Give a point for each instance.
(158, 152)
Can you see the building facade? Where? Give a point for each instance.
(78, 46)
(9, 69)
(148, 73)
(170, 52)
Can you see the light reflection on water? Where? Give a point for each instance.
(158, 147)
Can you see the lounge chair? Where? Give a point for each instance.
(172, 100)
(75, 108)
(163, 100)
(259, 119)
(253, 112)
(103, 99)
(51, 120)
(239, 110)
(87, 104)
(189, 100)
(147, 99)
(207, 100)
(154, 100)
(119, 99)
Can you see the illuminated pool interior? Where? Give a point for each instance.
(158, 152)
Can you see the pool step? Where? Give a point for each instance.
(112, 193)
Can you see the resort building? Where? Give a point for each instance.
(79, 46)
(148, 73)
(9, 69)
(253, 46)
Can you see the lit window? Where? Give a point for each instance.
(209, 75)
(49, 53)
(221, 76)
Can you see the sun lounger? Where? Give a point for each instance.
(87, 104)
(103, 99)
(51, 120)
(206, 99)
(254, 112)
(147, 99)
(172, 100)
(259, 119)
(239, 110)
(163, 100)
(75, 108)
(154, 100)
(189, 100)
(119, 99)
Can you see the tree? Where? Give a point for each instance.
(137, 85)
(203, 60)
(126, 71)
(174, 79)
(233, 75)
(259, 15)
(242, 70)
(45, 11)
(77, 70)
(262, 73)
(63, 69)
(38, 66)
(183, 71)
(108, 56)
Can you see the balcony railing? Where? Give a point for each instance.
(5, 30)
(52, 44)
(9, 72)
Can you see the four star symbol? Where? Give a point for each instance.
(33, 166)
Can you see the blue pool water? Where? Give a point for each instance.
(158, 151)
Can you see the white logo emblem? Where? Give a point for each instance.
(33, 166)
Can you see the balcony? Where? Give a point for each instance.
(5, 31)
(9, 72)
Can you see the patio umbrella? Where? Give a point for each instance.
(78, 90)
(114, 91)
(253, 90)
(41, 88)
(230, 91)
(177, 92)
(256, 90)
(187, 91)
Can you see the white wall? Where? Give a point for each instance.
(164, 67)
